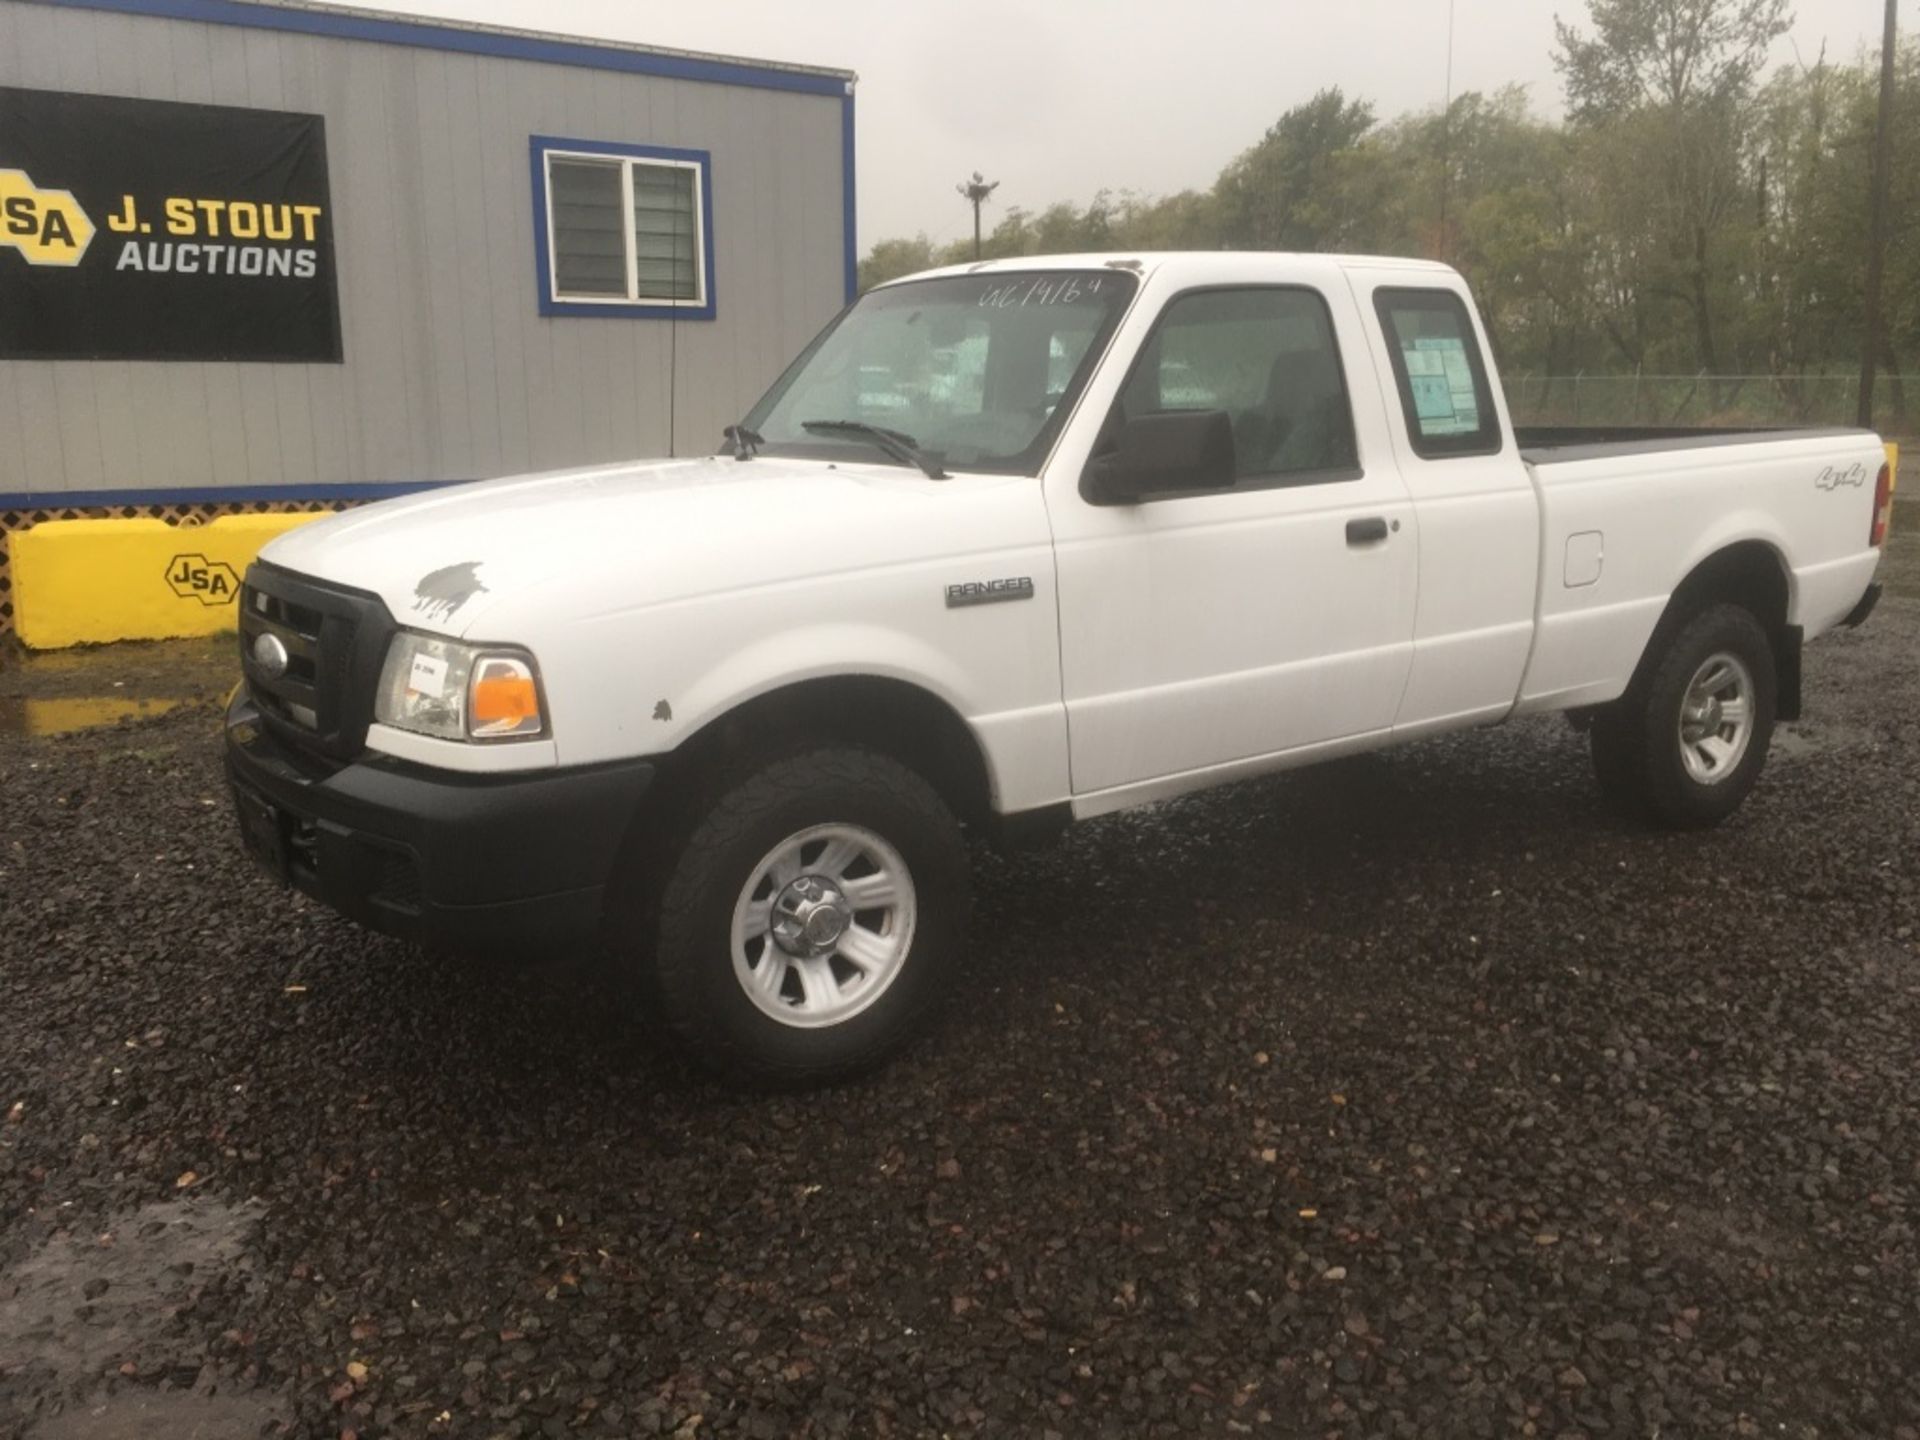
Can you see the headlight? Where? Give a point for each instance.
(459, 692)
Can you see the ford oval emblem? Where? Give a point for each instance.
(270, 654)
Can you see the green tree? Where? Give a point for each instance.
(1817, 136)
(1686, 217)
(1296, 189)
(1668, 53)
(890, 259)
(1661, 97)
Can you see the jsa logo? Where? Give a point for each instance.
(47, 227)
(195, 577)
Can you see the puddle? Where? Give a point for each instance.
(81, 1307)
(161, 1415)
(59, 692)
(65, 715)
(1800, 740)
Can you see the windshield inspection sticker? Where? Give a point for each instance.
(428, 677)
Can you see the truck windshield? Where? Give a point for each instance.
(976, 371)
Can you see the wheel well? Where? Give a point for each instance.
(1750, 574)
(893, 716)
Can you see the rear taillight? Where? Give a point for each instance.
(1882, 507)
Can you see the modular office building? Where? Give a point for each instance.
(254, 252)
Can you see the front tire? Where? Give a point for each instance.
(1687, 741)
(812, 918)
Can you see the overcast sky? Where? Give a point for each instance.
(1059, 99)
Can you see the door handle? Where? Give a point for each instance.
(1370, 531)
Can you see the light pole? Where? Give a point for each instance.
(1877, 225)
(1446, 136)
(979, 188)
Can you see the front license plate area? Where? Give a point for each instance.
(263, 832)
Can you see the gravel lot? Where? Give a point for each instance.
(1412, 1096)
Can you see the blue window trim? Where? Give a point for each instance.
(425, 34)
(847, 196)
(540, 146)
(380, 29)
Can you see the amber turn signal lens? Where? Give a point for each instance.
(506, 701)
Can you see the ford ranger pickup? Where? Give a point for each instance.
(1007, 545)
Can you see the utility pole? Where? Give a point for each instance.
(1877, 227)
(1446, 137)
(979, 188)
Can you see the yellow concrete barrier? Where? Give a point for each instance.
(84, 582)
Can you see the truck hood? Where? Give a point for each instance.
(461, 560)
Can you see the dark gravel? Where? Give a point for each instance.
(1412, 1096)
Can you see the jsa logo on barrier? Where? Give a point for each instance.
(194, 577)
(47, 227)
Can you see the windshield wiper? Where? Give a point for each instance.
(746, 443)
(901, 447)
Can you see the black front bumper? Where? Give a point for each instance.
(517, 861)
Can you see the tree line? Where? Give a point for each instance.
(1693, 214)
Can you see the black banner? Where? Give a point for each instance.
(148, 230)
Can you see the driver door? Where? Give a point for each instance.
(1235, 627)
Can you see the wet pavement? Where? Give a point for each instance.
(1900, 570)
(1407, 1096)
(86, 1304)
(61, 692)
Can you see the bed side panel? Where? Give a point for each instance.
(1623, 526)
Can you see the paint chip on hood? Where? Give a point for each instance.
(440, 595)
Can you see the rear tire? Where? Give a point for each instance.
(810, 922)
(1687, 741)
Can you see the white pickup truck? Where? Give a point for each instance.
(1007, 545)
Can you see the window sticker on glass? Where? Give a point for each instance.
(1444, 394)
(1442, 381)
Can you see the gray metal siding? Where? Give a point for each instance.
(451, 372)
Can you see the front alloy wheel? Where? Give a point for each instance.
(811, 917)
(823, 925)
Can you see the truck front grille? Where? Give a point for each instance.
(333, 640)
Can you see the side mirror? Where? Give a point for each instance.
(1162, 454)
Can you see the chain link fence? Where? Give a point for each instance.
(1703, 399)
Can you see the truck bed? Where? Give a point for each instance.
(1627, 514)
(1551, 444)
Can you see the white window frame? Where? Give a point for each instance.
(627, 158)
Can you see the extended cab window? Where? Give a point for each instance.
(1268, 358)
(1440, 374)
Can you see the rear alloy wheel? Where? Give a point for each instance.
(1716, 719)
(812, 918)
(1687, 741)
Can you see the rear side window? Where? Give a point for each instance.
(1268, 358)
(1440, 373)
